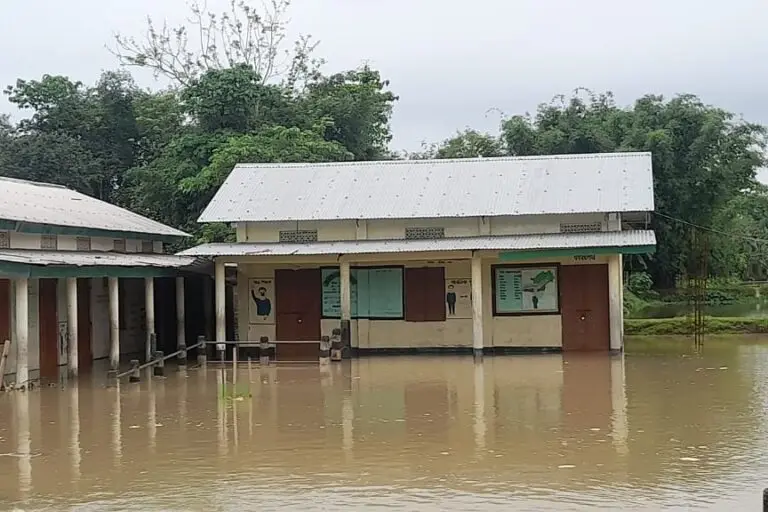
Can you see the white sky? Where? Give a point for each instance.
(450, 61)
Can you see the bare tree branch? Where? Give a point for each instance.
(243, 34)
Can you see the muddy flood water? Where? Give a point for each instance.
(661, 428)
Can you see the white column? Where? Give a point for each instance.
(615, 305)
(221, 302)
(479, 425)
(346, 291)
(72, 327)
(477, 306)
(619, 417)
(114, 324)
(181, 333)
(149, 307)
(22, 332)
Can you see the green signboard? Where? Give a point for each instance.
(376, 292)
(526, 290)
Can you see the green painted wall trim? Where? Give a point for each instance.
(38, 271)
(581, 251)
(49, 229)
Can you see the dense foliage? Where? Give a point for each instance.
(164, 153)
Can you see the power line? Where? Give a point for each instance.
(712, 230)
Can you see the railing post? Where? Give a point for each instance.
(202, 351)
(111, 378)
(336, 345)
(182, 357)
(135, 375)
(325, 350)
(159, 368)
(221, 348)
(264, 350)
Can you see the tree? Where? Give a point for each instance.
(703, 157)
(470, 144)
(241, 35)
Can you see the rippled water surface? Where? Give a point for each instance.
(661, 428)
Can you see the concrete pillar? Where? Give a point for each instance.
(181, 333)
(114, 323)
(149, 307)
(22, 332)
(72, 327)
(615, 305)
(346, 303)
(479, 425)
(619, 416)
(221, 302)
(477, 306)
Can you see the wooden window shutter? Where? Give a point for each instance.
(425, 294)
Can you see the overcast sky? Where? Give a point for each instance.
(450, 61)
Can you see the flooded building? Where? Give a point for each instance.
(492, 254)
(77, 281)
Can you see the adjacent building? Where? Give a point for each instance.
(78, 282)
(480, 254)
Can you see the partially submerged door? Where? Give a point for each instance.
(84, 354)
(49, 330)
(298, 296)
(584, 307)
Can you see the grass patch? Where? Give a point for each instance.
(683, 326)
(235, 393)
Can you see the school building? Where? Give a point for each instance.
(492, 254)
(82, 279)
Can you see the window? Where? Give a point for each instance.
(592, 227)
(521, 290)
(147, 246)
(50, 242)
(119, 245)
(424, 233)
(302, 236)
(425, 294)
(5, 240)
(83, 243)
(377, 292)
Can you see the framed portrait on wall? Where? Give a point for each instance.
(261, 301)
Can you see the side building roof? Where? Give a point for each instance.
(400, 189)
(42, 207)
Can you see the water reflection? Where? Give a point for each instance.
(661, 428)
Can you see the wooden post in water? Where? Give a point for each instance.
(250, 374)
(159, 368)
(234, 366)
(336, 345)
(182, 357)
(3, 360)
(202, 351)
(135, 375)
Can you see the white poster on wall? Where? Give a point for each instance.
(261, 301)
(458, 298)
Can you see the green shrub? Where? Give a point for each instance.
(684, 326)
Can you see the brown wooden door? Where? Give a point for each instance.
(84, 354)
(584, 307)
(298, 296)
(5, 311)
(49, 330)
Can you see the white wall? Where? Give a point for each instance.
(69, 243)
(390, 229)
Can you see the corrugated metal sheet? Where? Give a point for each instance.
(492, 243)
(616, 182)
(41, 203)
(94, 259)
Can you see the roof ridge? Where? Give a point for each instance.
(35, 183)
(441, 161)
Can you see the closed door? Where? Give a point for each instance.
(5, 310)
(297, 313)
(584, 307)
(84, 354)
(49, 330)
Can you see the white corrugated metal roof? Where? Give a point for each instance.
(94, 259)
(600, 183)
(42, 203)
(617, 239)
